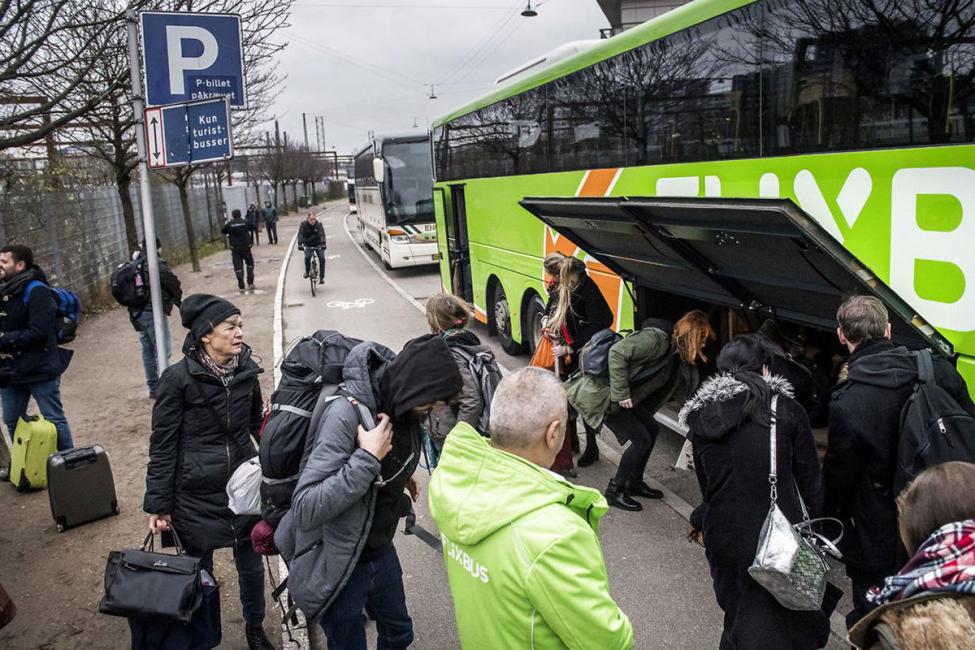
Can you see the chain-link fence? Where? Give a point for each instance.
(78, 235)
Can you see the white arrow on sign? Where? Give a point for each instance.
(155, 139)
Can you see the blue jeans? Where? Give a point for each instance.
(377, 587)
(47, 394)
(147, 337)
(250, 578)
(321, 261)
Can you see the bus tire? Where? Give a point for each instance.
(501, 319)
(532, 321)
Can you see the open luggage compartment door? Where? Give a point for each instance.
(762, 255)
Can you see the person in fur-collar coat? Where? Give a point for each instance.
(728, 419)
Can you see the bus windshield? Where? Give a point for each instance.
(408, 183)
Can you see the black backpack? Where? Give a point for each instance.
(311, 379)
(594, 355)
(934, 428)
(130, 286)
(487, 373)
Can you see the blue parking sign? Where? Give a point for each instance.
(189, 57)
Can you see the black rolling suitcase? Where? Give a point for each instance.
(81, 487)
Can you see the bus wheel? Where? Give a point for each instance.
(532, 327)
(502, 323)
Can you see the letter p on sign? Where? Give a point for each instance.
(190, 57)
(178, 63)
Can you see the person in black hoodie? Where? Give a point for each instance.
(351, 496)
(729, 420)
(31, 363)
(204, 423)
(575, 312)
(861, 456)
(239, 236)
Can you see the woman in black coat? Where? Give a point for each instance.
(728, 420)
(576, 310)
(208, 409)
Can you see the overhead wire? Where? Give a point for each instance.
(481, 47)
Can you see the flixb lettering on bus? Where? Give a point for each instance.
(947, 244)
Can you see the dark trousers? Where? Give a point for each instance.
(376, 586)
(312, 250)
(256, 236)
(638, 426)
(272, 232)
(243, 258)
(250, 578)
(862, 580)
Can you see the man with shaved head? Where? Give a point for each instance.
(520, 542)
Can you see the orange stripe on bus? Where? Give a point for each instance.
(598, 182)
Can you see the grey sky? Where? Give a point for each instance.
(368, 64)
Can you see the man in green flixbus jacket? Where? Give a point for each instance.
(520, 543)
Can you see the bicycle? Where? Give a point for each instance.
(313, 267)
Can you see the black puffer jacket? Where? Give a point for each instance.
(588, 312)
(731, 458)
(864, 422)
(202, 432)
(29, 349)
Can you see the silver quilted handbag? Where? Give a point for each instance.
(787, 563)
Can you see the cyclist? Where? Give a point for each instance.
(311, 239)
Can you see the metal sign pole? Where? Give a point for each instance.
(148, 221)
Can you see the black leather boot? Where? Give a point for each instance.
(641, 489)
(619, 499)
(256, 638)
(591, 454)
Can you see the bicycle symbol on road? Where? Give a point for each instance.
(358, 304)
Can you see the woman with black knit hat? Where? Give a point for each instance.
(208, 409)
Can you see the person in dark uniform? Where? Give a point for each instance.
(239, 235)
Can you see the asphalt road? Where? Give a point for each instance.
(659, 579)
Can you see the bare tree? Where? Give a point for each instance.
(48, 49)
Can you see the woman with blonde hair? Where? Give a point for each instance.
(576, 310)
(645, 369)
(449, 316)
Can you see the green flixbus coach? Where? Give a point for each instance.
(754, 159)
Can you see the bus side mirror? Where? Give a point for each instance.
(379, 170)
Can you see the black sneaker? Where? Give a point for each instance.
(305, 276)
(256, 638)
(251, 287)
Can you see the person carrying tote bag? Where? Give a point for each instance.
(729, 423)
(169, 599)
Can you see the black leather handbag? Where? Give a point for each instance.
(144, 584)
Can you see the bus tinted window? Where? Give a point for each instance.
(777, 77)
(408, 185)
(363, 168)
(841, 74)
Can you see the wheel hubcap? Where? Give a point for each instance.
(501, 316)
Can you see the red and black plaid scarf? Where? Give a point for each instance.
(944, 562)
